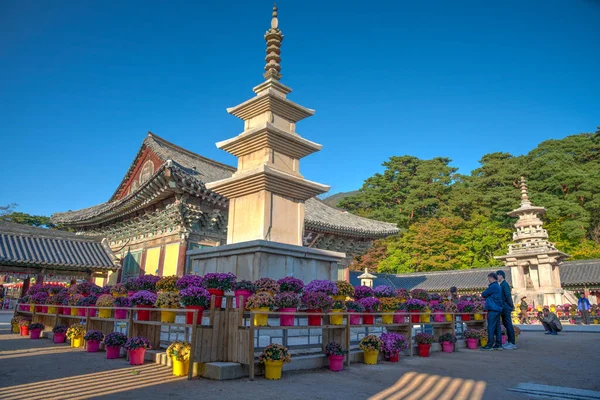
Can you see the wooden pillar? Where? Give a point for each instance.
(182, 258)
(25, 287)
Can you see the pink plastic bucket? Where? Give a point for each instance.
(59, 337)
(244, 294)
(81, 312)
(439, 317)
(136, 357)
(93, 312)
(336, 363)
(113, 352)
(120, 313)
(354, 319)
(472, 344)
(93, 346)
(287, 320)
(447, 347)
(35, 333)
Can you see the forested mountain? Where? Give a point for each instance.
(455, 221)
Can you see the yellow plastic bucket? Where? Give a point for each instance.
(104, 313)
(478, 317)
(167, 316)
(273, 369)
(425, 318)
(73, 311)
(15, 328)
(336, 319)
(448, 317)
(371, 357)
(77, 342)
(180, 368)
(387, 318)
(483, 341)
(51, 310)
(261, 319)
(31, 308)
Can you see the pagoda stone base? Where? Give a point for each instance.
(543, 297)
(261, 258)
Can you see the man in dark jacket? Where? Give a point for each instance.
(493, 305)
(507, 310)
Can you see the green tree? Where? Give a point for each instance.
(7, 214)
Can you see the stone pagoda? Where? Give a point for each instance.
(532, 259)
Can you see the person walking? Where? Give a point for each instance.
(507, 309)
(583, 304)
(524, 317)
(493, 305)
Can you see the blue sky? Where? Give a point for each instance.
(81, 82)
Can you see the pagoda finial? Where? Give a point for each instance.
(273, 37)
(524, 195)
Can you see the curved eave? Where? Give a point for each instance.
(322, 227)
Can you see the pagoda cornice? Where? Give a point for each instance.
(524, 210)
(267, 135)
(271, 100)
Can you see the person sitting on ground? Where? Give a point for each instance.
(493, 305)
(523, 317)
(550, 321)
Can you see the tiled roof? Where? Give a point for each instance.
(580, 273)
(26, 246)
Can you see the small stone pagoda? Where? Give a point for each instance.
(533, 260)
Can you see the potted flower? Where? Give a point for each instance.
(434, 298)
(447, 340)
(260, 302)
(479, 310)
(389, 306)
(189, 280)
(179, 352)
(113, 343)
(420, 294)
(167, 300)
(129, 284)
(105, 300)
(383, 291)
(60, 333)
(335, 355)
(466, 308)
(242, 290)
(451, 309)
(144, 300)
(121, 313)
(87, 302)
(370, 345)
(93, 339)
(24, 326)
(51, 303)
(73, 300)
(267, 285)
(217, 284)
(426, 315)
(167, 284)
(360, 292)
(316, 302)
(354, 307)
(194, 298)
(39, 298)
(35, 330)
(438, 312)
(400, 314)
(415, 307)
(146, 282)
(424, 341)
(14, 322)
(483, 337)
(402, 294)
(393, 345)
(136, 347)
(274, 356)
(336, 318)
(118, 290)
(55, 289)
(75, 333)
(290, 284)
(472, 337)
(286, 302)
(24, 303)
(345, 290)
(323, 286)
(371, 305)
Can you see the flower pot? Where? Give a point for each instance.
(483, 342)
(425, 318)
(189, 317)
(447, 347)
(504, 338)
(471, 344)
(74, 311)
(120, 313)
(287, 320)
(45, 309)
(38, 309)
(77, 342)
(314, 320)
(59, 338)
(336, 363)
(354, 319)
(438, 317)
(113, 352)
(180, 368)
(15, 328)
(66, 311)
(31, 308)
(167, 316)
(244, 294)
(136, 357)
(261, 319)
(93, 346)
(387, 318)
(51, 309)
(336, 318)
(104, 313)
(143, 312)
(273, 369)
(399, 317)
(371, 356)
(448, 317)
(595, 321)
(478, 317)
(35, 333)
(81, 312)
(218, 296)
(424, 349)
(394, 358)
(465, 317)
(368, 319)
(24, 330)
(92, 312)
(339, 297)
(415, 318)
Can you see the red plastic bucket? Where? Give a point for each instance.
(314, 320)
(394, 358)
(415, 317)
(447, 347)
(59, 337)
(218, 296)
(368, 319)
(45, 309)
(189, 317)
(244, 294)
(24, 330)
(93, 346)
(465, 317)
(143, 312)
(472, 344)
(136, 357)
(35, 333)
(287, 320)
(60, 310)
(354, 319)
(38, 309)
(113, 352)
(336, 363)
(66, 310)
(424, 349)
(120, 313)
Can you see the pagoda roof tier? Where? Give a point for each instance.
(266, 178)
(269, 135)
(527, 209)
(270, 100)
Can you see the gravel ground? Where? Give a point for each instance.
(41, 370)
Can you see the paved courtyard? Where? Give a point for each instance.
(40, 370)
